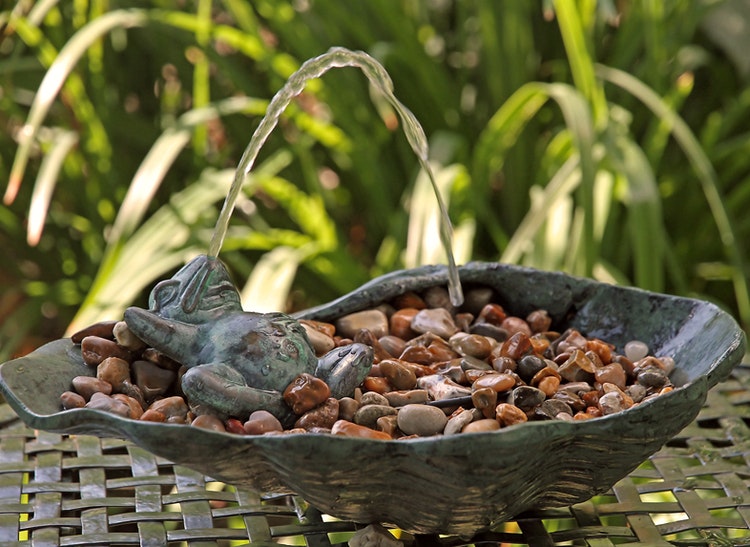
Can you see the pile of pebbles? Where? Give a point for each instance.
(437, 370)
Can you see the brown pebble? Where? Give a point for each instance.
(321, 342)
(507, 414)
(152, 380)
(322, 416)
(86, 386)
(401, 398)
(261, 422)
(126, 338)
(613, 374)
(136, 409)
(207, 421)
(100, 401)
(392, 344)
(539, 321)
(549, 385)
(496, 381)
(368, 415)
(493, 314)
(376, 384)
(347, 407)
(368, 338)
(328, 329)
(151, 415)
(436, 321)
(233, 425)
(115, 371)
(373, 320)
(349, 429)
(306, 392)
(483, 425)
(174, 408)
(473, 345)
(388, 424)
(399, 376)
(70, 400)
(516, 346)
(485, 399)
(514, 325)
(95, 349)
(102, 329)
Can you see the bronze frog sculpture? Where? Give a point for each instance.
(238, 361)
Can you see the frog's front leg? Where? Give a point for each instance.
(217, 388)
(344, 368)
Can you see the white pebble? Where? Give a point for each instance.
(635, 350)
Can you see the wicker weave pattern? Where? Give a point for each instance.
(81, 490)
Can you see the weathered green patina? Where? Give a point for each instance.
(238, 361)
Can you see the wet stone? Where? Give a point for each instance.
(476, 299)
(261, 422)
(490, 331)
(652, 377)
(152, 380)
(373, 320)
(102, 329)
(472, 345)
(100, 401)
(347, 407)
(323, 416)
(86, 386)
(577, 368)
(441, 388)
(636, 350)
(423, 420)
(514, 325)
(516, 346)
(368, 415)
(94, 350)
(400, 323)
(373, 398)
(612, 402)
(539, 321)
(206, 421)
(472, 363)
(526, 397)
(492, 313)
(485, 399)
(437, 321)
(437, 297)
(552, 408)
(305, 393)
(508, 414)
(529, 365)
(400, 376)
(497, 382)
(636, 392)
(388, 424)
(349, 429)
(173, 408)
(402, 398)
(114, 371)
(392, 344)
(458, 421)
(125, 337)
(321, 342)
(613, 374)
(481, 426)
(70, 400)
(136, 409)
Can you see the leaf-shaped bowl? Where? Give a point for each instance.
(443, 484)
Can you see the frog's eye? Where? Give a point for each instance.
(164, 293)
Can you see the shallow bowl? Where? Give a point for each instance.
(443, 484)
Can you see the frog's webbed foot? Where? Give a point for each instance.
(219, 389)
(344, 368)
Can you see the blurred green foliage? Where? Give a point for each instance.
(599, 138)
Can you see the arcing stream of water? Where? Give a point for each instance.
(379, 78)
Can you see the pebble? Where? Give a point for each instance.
(136, 409)
(125, 337)
(349, 429)
(577, 368)
(612, 374)
(101, 401)
(374, 535)
(485, 399)
(480, 426)
(488, 330)
(472, 345)
(529, 365)
(441, 388)
(636, 350)
(515, 325)
(373, 398)
(400, 323)
(539, 321)
(410, 397)
(612, 402)
(516, 346)
(476, 299)
(373, 320)
(526, 397)
(95, 349)
(102, 329)
(323, 416)
(306, 392)
(321, 342)
(173, 408)
(392, 344)
(422, 420)
(400, 376)
(207, 421)
(152, 380)
(508, 414)
(497, 382)
(461, 419)
(437, 321)
(552, 408)
(70, 399)
(438, 298)
(368, 415)
(261, 422)
(86, 386)
(493, 314)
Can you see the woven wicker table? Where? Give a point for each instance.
(81, 490)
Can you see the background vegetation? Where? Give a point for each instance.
(604, 138)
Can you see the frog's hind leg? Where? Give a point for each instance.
(218, 389)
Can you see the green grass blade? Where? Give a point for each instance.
(268, 287)
(62, 142)
(54, 80)
(706, 177)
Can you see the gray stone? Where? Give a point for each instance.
(423, 420)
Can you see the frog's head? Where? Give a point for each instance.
(199, 293)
